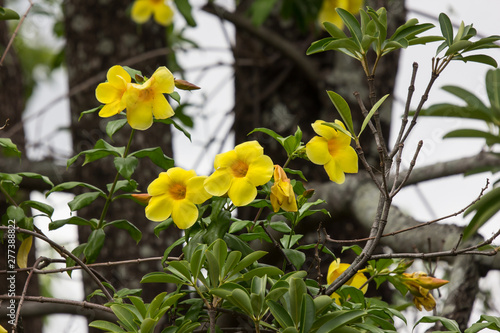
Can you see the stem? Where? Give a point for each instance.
(112, 190)
(15, 33)
(7, 196)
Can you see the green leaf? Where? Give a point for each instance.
(341, 320)
(9, 146)
(449, 110)
(185, 9)
(148, 325)
(8, 14)
(424, 40)
(126, 165)
(493, 88)
(485, 208)
(156, 156)
(33, 175)
(482, 59)
(241, 299)
(115, 125)
(238, 225)
(94, 245)
(180, 269)
(75, 220)
(161, 277)
(334, 31)
(197, 261)
(281, 227)
(83, 200)
(472, 100)
(280, 314)
(125, 316)
(260, 11)
(297, 290)
(247, 261)
(296, 257)
(446, 28)
(473, 133)
(213, 268)
(89, 111)
(69, 185)
(101, 150)
(132, 230)
(170, 121)
(371, 113)
(321, 303)
(106, 326)
(343, 109)
(287, 241)
(123, 185)
(232, 260)
(44, 208)
(451, 325)
(259, 271)
(319, 45)
(352, 24)
(307, 313)
(458, 46)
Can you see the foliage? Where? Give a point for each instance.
(220, 270)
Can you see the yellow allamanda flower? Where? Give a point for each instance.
(238, 172)
(328, 13)
(147, 99)
(357, 281)
(176, 193)
(282, 194)
(419, 285)
(111, 92)
(143, 9)
(332, 150)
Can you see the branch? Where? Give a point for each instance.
(15, 33)
(267, 36)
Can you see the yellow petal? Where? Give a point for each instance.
(225, 160)
(248, 151)
(358, 280)
(108, 93)
(332, 271)
(260, 170)
(141, 11)
(317, 150)
(160, 185)
(346, 159)
(140, 115)
(163, 14)
(184, 213)
(159, 208)
(118, 77)
(241, 192)
(324, 131)
(195, 191)
(179, 175)
(23, 252)
(334, 172)
(161, 108)
(353, 6)
(219, 182)
(162, 81)
(111, 109)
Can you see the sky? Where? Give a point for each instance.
(425, 201)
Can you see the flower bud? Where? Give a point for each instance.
(185, 85)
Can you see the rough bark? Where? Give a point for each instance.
(99, 35)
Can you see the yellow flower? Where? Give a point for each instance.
(110, 93)
(147, 99)
(282, 194)
(238, 172)
(175, 192)
(332, 150)
(328, 13)
(418, 285)
(2, 330)
(142, 10)
(334, 271)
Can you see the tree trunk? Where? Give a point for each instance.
(99, 35)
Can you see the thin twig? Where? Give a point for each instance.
(41, 299)
(410, 169)
(9, 45)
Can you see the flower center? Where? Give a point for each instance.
(239, 169)
(178, 191)
(332, 146)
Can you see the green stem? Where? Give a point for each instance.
(112, 190)
(7, 196)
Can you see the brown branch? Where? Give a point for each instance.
(9, 45)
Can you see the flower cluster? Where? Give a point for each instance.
(142, 101)
(419, 285)
(143, 9)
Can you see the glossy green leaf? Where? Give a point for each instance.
(114, 125)
(148, 325)
(371, 113)
(321, 303)
(259, 271)
(9, 147)
(126, 165)
(248, 260)
(8, 14)
(319, 45)
(139, 304)
(473, 133)
(241, 299)
(485, 208)
(343, 109)
(334, 31)
(125, 316)
(83, 200)
(170, 121)
(161, 277)
(280, 226)
(280, 314)
(70, 185)
(197, 261)
(213, 268)
(341, 320)
(451, 325)
(450, 110)
(34, 175)
(185, 9)
(352, 24)
(482, 59)
(296, 257)
(89, 111)
(493, 88)
(297, 290)
(94, 245)
(287, 241)
(156, 156)
(43, 207)
(132, 230)
(307, 313)
(180, 269)
(424, 40)
(232, 260)
(106, 326)
(446, 28)
(471, 99)
(458, 46)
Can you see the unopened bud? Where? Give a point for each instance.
(142, 198)
(308, 193)
(139, 78)
(185, 85)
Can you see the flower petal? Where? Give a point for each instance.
(141, 11)
(260, 170)
(162, 81)
(332, 271)
(111, 109)
(219, 182)
(195, 190)
(161, 108)
(140, 115)
(159, 208)
(241, 192)
(225, 160)
(184, 213)
(325, 131)
(248, 151)
(346, 159)
(334, 172)
(163, 14)
(317, 150)
(160, 185)
(179, 175)
(108, 93)
(118, 77)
